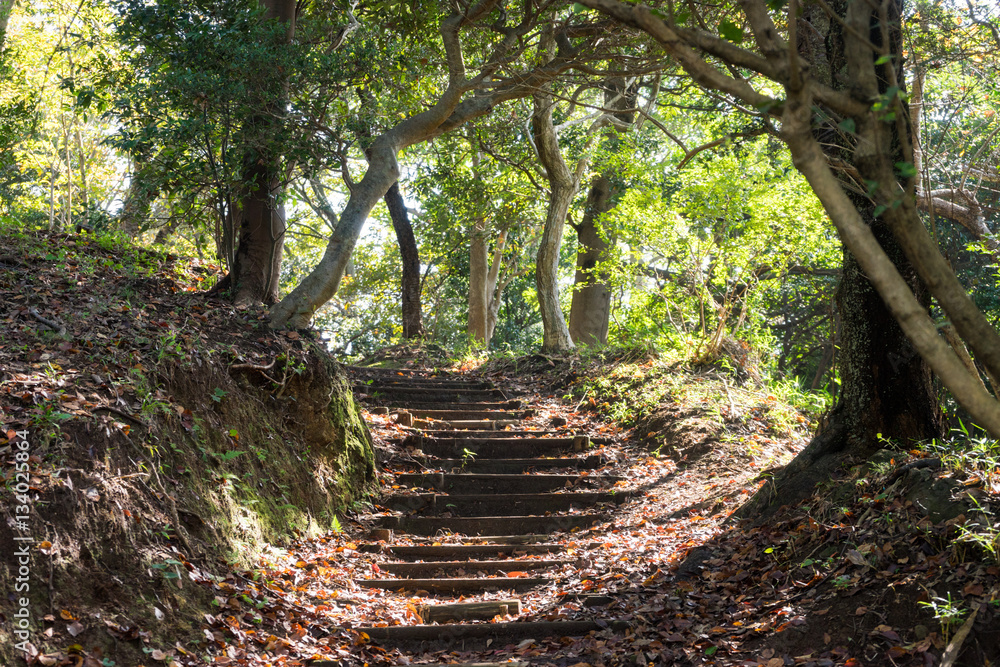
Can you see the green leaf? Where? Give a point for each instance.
(680, 18)
(906, 169)
(731, 31)
(578, 8)
(848, 125)
(883, 60)
(879, 210)
(776, 5)
(711, 650)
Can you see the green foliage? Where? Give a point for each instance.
(707, 253)
(197, 103)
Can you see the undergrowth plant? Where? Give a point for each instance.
(947, 612)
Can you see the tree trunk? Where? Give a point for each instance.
(138, 202)
(6, 7)
(555, 337)
(410, 284)
(495, 286)
(838, 64)
(479, 267)
(563, 186)
(590, 311)
(257, 267)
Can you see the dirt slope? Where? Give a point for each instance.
(147, 431)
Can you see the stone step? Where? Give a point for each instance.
(425, 405)
(452, 634)
(496, 448)
(471, 424)
(461, 586)
(427, 552)
(460, 414)
(522, 538)
(504, 433)
(429, 394)
(499, 433)
(409, 570)
(494, 504)
(470, 482)
(512, 663)
(502, 466)
(468, 611)
(354, 369)
(423, 383)
(484, 525)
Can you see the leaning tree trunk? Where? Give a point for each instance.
(886, 393)
(590, 312)
(257, 267)
(410, 284)
(447, 114)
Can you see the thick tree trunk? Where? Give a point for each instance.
(261, 215)
(257, 268)
(877, 360)
(479, 267)
(590, 312)
(410, 284)
(886, 393)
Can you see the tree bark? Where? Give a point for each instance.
(479, 267)
(495, 286)
(6, 7)
(410, 283)
(261, 214)
(590, 312)
(563, 185)
(138, 201)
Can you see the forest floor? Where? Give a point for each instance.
(888, 565)
(894, 562)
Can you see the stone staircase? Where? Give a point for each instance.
(484, 500)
